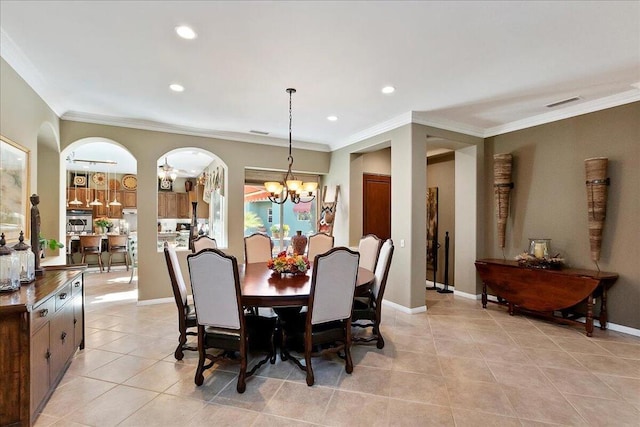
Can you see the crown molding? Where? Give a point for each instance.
(396, 122)
(611, 101)
(186, 130)
(450, 125)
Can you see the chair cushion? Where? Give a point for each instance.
(221, 338)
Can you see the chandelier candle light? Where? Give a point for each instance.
(291, 188)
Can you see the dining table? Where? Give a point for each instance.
(262, 287)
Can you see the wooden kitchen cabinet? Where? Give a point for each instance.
(129, 199)
(183, 205)
(167, 205)
(83, 194)
(100, 210)
(41, 325)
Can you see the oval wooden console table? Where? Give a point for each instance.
(544, 292)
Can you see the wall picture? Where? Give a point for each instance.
(432, 226)
(14, 187)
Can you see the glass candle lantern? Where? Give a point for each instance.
(539, 248)
(9, 268)
(27, 260)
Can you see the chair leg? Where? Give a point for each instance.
(199, 378)
(126, 260)
(307, 360)
(376, 331)
(109, 267)
(182, 340)
(242, 375)
(347, 347)
(100, 262)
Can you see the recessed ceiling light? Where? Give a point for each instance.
(332, 118)
(176, 87)
(388, 89)
(186, 32)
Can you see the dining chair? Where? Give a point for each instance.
(118, 245)
(369, 248)
(328, 318)
(257, 248)
(91, 245)
(220, 316)
(186, 311)
(369, 308)
(68, 251)
(202, 242)
(319, 243)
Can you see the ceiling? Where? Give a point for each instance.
(482, 68)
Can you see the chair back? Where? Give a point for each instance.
(91, 243)
(216, 289)
(175, 274)
(333, 284)
(118, 242)
(382, 270)
(318, 244)
(369, 249)
(257, 248)
(203, 242)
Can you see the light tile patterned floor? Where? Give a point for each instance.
(455, 365)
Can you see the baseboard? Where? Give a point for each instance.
(155, 301)
(465, 295)
(404, 309)
(596, 323)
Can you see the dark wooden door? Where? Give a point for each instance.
(376, 205)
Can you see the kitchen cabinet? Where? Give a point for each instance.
(84, 195)
(183, 205)
(114, 212)
(42, 325)
(100, 210)
(129, 199)
(167, 205)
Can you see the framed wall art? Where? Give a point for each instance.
(14, 187)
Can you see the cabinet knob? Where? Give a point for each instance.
(44, 312)
(76, 285)
(63, 335)
(47, 355)
(63, 295)
(75, 321)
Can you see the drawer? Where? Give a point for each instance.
(76, 286)
(42, 314)
(63, 296)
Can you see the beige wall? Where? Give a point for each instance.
(441, 174)
(27, 120)
(549, 198)
(148, 146)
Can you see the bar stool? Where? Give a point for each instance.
(91, 245)
(69, 252)
(118, 245)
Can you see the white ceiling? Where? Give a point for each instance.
(483, 68)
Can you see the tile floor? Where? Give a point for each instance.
(457, 365)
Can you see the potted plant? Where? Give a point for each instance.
(275, 231)
(102, 224)
(52, 244)
(285, 230)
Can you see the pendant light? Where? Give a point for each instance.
(75, 201)
(96, 202)
(291, 187)
(115, 201)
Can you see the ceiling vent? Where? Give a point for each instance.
(562, 102)
(259, 132)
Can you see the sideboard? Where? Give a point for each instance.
(546, 292)
(41, 326)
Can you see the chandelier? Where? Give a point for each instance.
(167, 173)
(290, 188)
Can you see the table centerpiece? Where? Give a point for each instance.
(289, 264)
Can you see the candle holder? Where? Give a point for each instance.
(539, 248)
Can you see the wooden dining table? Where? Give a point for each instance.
(262, 288)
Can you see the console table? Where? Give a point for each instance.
(544, 291)
(41, 326)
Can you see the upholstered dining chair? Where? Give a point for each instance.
(369, 248)
(202, 242)
(319, 243)
(118, 245)
(91, 245)
(186, 312)
(368, 309)
(328, 319)
(257, 248)
(220, 316)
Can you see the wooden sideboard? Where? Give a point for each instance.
(41, 326)
(546, 292)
